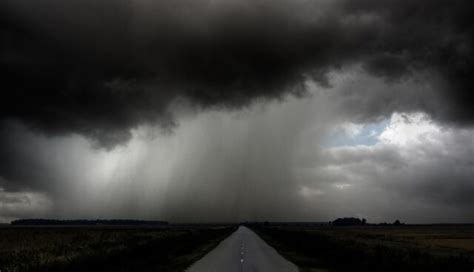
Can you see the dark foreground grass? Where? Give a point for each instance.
(374, 249)
(105, 248)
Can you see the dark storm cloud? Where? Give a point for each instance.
(435, 36)
(26, 162)
(101, 68)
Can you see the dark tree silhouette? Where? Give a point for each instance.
(86, 222)
(348, 221)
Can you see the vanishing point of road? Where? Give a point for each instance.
(243, 251)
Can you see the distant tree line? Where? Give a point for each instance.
(349, 221)
(83, 222)
(352, 221)
(396, 223)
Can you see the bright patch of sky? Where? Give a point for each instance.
(350, 134)
(410, 129)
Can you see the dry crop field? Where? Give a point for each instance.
(460, 238)
(104, 248)
(375, 248)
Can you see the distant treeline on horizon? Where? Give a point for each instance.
(85, 222)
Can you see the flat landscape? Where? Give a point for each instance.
(237, 135)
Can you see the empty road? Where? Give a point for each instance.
(243, 251)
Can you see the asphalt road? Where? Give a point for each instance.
(243, 251)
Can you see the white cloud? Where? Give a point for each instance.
(411, 129)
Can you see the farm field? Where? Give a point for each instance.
(374, 248)
(174, 248)
(105, 248)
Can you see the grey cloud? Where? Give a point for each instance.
(216, 166)
(22, 204)
(422, 183)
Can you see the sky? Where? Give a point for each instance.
(237, 110)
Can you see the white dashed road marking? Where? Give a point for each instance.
(243, 251)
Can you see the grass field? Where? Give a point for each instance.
(371, 248)
(105, 248)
